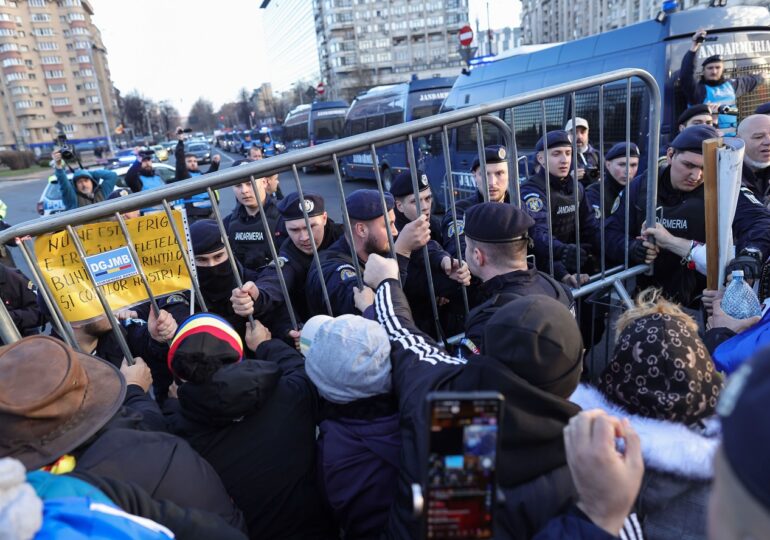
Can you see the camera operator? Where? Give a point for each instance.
(86, 187)
(712, 87)
(587, 156)
(199, 205)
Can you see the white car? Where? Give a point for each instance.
(51, 201)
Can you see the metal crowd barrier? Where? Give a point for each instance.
(367, 142)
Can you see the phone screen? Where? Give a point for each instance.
(460, 486)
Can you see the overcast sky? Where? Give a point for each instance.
(178, 50)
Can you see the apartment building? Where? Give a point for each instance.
(55, 74)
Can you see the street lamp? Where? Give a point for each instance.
(101, 101)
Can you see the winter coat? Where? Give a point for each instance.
(673, 500)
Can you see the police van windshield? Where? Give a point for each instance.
(328, 124)
(426, 103)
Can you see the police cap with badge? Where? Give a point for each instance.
(497, 223)
(402, 184)
(492, 154)
(555, 139)
(619, 150)
(691, 138)
(365, 204)
(291, 208)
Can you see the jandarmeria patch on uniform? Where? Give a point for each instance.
(176, 299)
(281, 262)
(534, 202)
(346, 272)
(460, 228)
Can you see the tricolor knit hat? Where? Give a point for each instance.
(202, 345)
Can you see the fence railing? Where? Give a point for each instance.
(369, 142)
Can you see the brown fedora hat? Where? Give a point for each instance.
(52, 399)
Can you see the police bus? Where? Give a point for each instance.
(390, 105)
(317, 123)
(741, 34)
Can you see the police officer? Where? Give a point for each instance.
(588, 156)
(369, 236)
(712, 87)
(254, 154)
(20, 298)
(141, 176)
(446, 271)
(695, 116)
(244, 226)
(562, 207)
(615, 178)
(497, 184)
(681, 223)
(199, 205)
(295, 259)
(496, 241)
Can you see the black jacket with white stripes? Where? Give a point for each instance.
(534, 478)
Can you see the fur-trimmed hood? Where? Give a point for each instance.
(666, 446)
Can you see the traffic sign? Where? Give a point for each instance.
(467, 53)
(466, 35)
(320, 88)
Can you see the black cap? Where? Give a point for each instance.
(619, 150)
(496, 223)
(691, 138)
(122, 192)
(364, 204)
(695, 110)
(146, 154)
(763, 109)
(492, 154)
(402, 184)
(290, 207)
(711, 59)
(555, 139)
(205, 237)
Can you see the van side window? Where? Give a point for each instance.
(467, 140)
(357, 126)
(374, 122)
(529, 121)
(587, 106)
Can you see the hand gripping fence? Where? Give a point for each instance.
(441, 125)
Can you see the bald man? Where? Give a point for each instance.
(755, 132)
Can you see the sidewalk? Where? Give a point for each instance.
(42, 172)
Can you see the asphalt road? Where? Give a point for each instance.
(21, 196)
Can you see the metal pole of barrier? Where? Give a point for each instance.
(135, 257)
(425, 255)
(623, 294)
(652, 153)
(482, 159)
(57, 317)
(602, 179)
(627, 209)
(116, 329)
(346, 222)
(274, 254)
(385, 215)
(226, 241)
(185, 257)
(453, 208)
(576, 190)
(547, 173)
(514, 189)
(316, 258)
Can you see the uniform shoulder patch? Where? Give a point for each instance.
(281, 261)
(750, 196)
(176, 299)
(346, 271)
(533, 202)
(460, 228)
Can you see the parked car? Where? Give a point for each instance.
(51, 200)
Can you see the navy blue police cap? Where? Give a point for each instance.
(763, 109)
(364, 204)
(402, 184)
(619, 150)
(555, 139)
(496, 223)
(695, 110)
(711, 59)
(205, 237)
(492, 154)
(122, 192)
(290, 207)
(691, 138)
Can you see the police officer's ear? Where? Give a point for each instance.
(670, 155)
(360, 229)
(540, 156)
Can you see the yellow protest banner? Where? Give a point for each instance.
(159, 258)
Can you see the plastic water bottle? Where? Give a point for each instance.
(739, 300)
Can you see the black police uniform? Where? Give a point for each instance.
(20, 298)
(612, 187)
(247, 235)
(758, 182)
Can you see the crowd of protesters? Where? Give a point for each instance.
(293, 407)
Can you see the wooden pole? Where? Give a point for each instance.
(711, 196)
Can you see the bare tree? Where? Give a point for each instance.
(202, 116)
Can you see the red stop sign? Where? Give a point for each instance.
(320, 88)
(466, 35)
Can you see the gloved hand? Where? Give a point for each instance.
(748, 260)
(641, 252)
(569, 256)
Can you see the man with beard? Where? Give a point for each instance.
(712, 87)
(199, 205)
(616, 177)
(588, 156)
(86, 187)
(140, 175)
(295, 259)
(369, 236)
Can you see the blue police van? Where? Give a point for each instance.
(390, 105)
(316, 123)
(741, 34)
